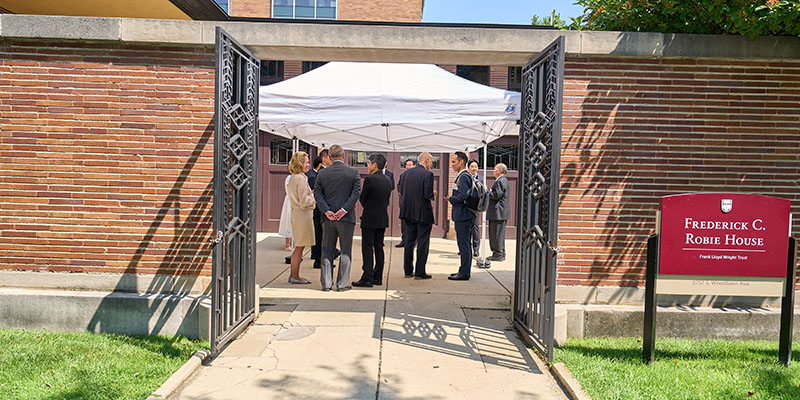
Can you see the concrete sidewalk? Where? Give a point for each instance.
(407, 339)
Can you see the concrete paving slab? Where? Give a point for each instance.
(407, 339)
(274, 314)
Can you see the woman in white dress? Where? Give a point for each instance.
(285, 227)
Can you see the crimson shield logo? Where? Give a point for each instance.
(726, 206)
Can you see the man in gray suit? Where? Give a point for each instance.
(336, 192)
(497, 213)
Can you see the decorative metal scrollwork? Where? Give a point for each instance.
(540, 143)
(239, 116)
(235, 141)
(238, 147)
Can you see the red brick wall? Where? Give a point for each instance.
(498, 77)
(250, 8)
(106, 153)
(380, 10)
(292, 69)
(349, 10)
(106, 157)
(635, 129)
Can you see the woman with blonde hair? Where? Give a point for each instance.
(302, 212)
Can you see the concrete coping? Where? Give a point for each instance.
(387, 42)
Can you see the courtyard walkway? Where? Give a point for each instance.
(408, 339)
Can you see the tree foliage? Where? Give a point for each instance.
(554, 19)
(738, 17)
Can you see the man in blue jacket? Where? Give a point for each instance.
(462, 216)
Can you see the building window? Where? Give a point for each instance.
(309, 65)
(515, 78)
(308, 9)
(475, 73)
(280, 150)
(271, 72)
(415, 156)
(499, 153)
(359, 158)
(223, 4)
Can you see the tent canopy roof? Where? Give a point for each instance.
(387, 107)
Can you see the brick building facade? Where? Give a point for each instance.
(106, 153)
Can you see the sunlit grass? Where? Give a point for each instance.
(58, 365)
(683, 369)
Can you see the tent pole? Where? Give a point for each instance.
(295, 145)
(483, 214)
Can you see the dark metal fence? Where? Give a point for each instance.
(537, 202)
(233, 297)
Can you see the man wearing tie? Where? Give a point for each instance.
(462, 216)
(374, 219)
(336, 192)
(417, 212)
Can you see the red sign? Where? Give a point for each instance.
(724, 234)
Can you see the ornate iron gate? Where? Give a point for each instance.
(537, 201)
(233, 297)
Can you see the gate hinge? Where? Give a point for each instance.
(218, 238)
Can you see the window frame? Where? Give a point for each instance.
(316, 6)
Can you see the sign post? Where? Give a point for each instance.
(721, 244)
(787, 308)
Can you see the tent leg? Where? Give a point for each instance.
(483, 215)
(483, 262)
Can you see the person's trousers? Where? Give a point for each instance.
(463, 233)
(419, 235)
(497, 237)
(402, 231)
(316, 249)
(476, 233)
(372, 244)
(332, 230)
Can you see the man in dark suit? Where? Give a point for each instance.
(409, 164)
(389, 175)
(417, 212)
(462, 216)
(324, 160)
(497, 213)
(336, 192)
(472, 167)
(374, 198)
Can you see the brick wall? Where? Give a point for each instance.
(106, 157)
(106, 153)
(380, 10)
(292, 69)
(498, 77)
(250, 8)
(349, 10)
(635, 129)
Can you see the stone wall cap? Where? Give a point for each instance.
(441, 43)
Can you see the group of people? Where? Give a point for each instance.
(322, 200)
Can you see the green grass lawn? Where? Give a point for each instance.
(58, 365)
(683, 369)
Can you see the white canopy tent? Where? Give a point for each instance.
(387, 107)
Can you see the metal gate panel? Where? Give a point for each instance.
(233, 297)
(537, 197)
